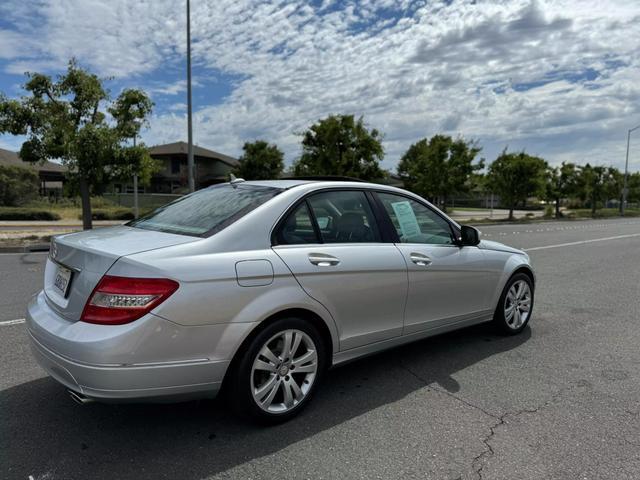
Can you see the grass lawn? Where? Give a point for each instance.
(601, 213)
(470, 209)
(67, 210)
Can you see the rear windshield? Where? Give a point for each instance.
(206, 211)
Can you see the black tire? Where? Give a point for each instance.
(239, 382)
(509, 326)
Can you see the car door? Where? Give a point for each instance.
(332, 243)
(448, 283)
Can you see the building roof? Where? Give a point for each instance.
(181, 148)
(12, 159)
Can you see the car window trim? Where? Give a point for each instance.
(314, 222)
(305, 198)
(389, 234)
(396, 239)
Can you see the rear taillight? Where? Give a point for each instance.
(118, 300)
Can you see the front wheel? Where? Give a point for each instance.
(515, 306)
(278, 372)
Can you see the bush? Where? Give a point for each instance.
(110, 214)
(549, 211)
(102, 202)
(13, 213)
(18, 185)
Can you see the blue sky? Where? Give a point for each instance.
(560, 79)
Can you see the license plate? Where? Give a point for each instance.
(62, 280)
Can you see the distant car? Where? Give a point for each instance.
(258, 287)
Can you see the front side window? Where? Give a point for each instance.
(414, 222)
(344, 217)
(206, 211)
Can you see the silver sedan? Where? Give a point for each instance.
(256, 288)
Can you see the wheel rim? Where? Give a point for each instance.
(283, 371)
(517, 304)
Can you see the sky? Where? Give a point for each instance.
(559, 79)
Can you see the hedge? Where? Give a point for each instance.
(22, 213)
(110, 214)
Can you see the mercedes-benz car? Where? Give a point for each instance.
(256, 288)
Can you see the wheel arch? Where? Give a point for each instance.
(298, 312)
(527, 270)
(515, 264)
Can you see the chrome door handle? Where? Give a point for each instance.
(420, 259)
(323, 260)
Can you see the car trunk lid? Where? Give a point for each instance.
(81, 259)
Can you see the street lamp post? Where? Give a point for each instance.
(626, 171)
(190, 162)
(136, 210)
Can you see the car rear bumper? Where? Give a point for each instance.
(112, 363)
(165, 381)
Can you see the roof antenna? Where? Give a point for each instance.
(233, 180)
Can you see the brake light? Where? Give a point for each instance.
(119, 300)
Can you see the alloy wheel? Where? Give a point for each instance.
(284, 371)
(517, 304)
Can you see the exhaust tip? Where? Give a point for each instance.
(79, 398)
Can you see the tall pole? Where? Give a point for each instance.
(626, 171)
(190, 162)
(135, 189)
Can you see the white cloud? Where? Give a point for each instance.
(412, 69)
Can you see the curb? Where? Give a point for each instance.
(36, 247)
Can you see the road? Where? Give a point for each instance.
(561, 400)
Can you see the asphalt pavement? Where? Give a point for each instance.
(559, 401)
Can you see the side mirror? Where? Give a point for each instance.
(469, 236)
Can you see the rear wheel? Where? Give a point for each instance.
(278, 372)
(515, 305)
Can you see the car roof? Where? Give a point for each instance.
(287, 184)
(284, 184)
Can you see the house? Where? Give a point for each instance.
(51, 174)
(211, 168)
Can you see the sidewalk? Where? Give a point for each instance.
(11, 224)
(464, 215)
(20, 236)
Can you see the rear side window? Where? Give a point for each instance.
(344, 217)
(206, 211)
(298, 228)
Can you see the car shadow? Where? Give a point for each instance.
(46, 435)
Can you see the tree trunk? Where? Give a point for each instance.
(557, 207)
(86, 204)
(511, 211)
(621, 202)
(593, 206)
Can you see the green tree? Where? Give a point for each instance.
(597, 184)
(440, 167)
(633, 184)
(341, 145)
(517, 176)
(260, 161)
(18, 185)
(562, 182)
(64, 119)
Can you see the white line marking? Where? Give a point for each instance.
(12, 322)
(582, 242)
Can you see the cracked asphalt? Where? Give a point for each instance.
(559, 401)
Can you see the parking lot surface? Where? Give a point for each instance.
(561, 400)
